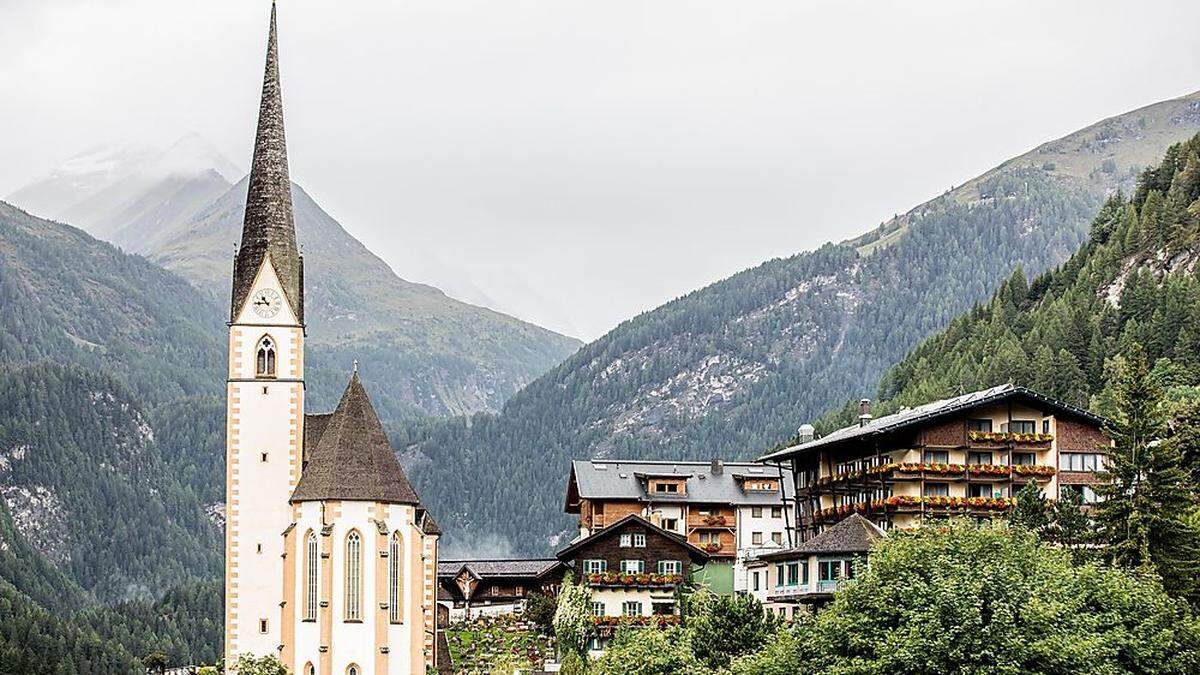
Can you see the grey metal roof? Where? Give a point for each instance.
(268, 228)
(930, 412)
(853, 534)
(526, 567)
(353, 460)
(621, 479)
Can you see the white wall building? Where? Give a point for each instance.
(330, 560)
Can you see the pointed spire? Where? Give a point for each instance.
(353, 460)
(268, 227)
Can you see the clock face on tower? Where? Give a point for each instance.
(267, 303)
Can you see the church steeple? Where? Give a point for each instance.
(268, 228)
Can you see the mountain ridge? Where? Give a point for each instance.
(734, 367)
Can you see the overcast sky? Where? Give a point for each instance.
(580, 162)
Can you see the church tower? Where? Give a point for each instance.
(330, 557)
(265, 388)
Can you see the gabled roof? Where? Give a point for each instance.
(268, 227)
(525, 567)
(853, 534)
(622, 479)
(694, 552)
(936, 411)
(354, 461)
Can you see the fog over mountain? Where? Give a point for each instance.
(564, 159)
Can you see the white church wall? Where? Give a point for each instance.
(355, 642)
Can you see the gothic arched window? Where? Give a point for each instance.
(352, 669)
(395, 578)
(310, 576)
(310, 669)
(354, 576)
(264, 364)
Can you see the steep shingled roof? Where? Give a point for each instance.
(268, 228)
(934, 411)
(353, 460)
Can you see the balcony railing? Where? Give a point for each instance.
(944, 472)
(910, 504)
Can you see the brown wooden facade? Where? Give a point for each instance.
(968, 460)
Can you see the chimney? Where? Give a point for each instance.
(807, 433)
(864, 412)
(718, 467)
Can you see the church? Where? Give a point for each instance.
(330, 558)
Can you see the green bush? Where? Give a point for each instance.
(968, 598)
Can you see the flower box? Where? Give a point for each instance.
(627, 580)
(1008, 437)
(987, 470)
(1034, 470)
(716, 520)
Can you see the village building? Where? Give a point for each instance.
(468, 589)
(734, 511)
(966, 455)
(330, 558)
(633, 568)
(803, 578)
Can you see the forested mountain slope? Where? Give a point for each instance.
(737, 366)
(1135, 280)
(111, 437)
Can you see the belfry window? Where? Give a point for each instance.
(264, 365)
(395, 569)
(354, 576)
(310, 577)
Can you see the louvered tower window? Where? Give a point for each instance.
(265, 362)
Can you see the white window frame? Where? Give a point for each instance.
(395, 577)
(670, 567)
(639, 540)
(595, 566)
(633, 566)
(311, 575)
(626, 540)
(597, 608)
(631, 608)
(354, 576)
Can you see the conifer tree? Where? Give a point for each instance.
(1146, 493)
(1032, 510)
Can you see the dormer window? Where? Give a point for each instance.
(264, 365)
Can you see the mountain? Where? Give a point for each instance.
(424, 352)
(427, 351)
(1133, 282)
(125, 193)
(735, 367)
